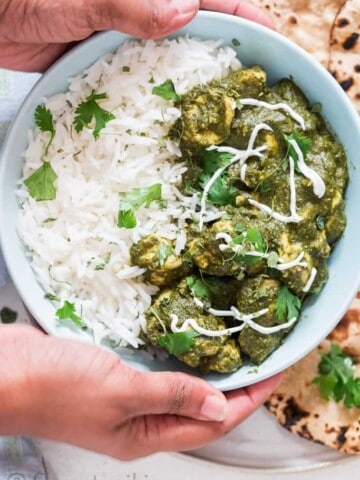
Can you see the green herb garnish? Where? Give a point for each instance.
(198, 287)
(67, 312)
(164, 252)
(166, 91)
(213, 160)
(304, 143)
(126, 68)
(90, 109)
(45, 122)
(40, 184)
(133, 200)
(102, 265)
(7, 315)
(52, 297)
(336, 377)
(235, 42)
(287, 305)
(177, 343)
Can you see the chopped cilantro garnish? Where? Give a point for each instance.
(102, 265)
(89, 110)
(133, 200)
(67, 312)
(336, 377)
(45, 122)
(164, 252)
(287, 305)
(166, 91)
(52, 297)
(177, 343)
(126, 68)
(7, 315)
(304, 143)
(235, 42)
(213, 160)
(40, 184)
(220, 192)
(198, 287)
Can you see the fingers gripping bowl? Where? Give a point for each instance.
(254, 45)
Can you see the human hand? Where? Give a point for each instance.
(34, 33)
(81, 394)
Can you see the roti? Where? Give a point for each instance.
(344, 60)
(300, 21)
(327, 29)
(298, 405)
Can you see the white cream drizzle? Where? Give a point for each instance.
(309, 283)
(281, 263)
(234, 313)
(277, 106)
(239, 155)
(318, 183)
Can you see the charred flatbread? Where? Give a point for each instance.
(306, 22)
(329, 30)
(344, 61)
(298, 405)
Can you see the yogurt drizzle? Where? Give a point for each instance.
(234, 313)
(277, 106)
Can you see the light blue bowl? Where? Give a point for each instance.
(280, 58)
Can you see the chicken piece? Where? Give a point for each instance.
(206, 118)
(157, 255)
(227, 360)
(179, 301)
(256, 294)
(208, 110)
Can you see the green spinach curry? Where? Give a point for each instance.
(265, 162)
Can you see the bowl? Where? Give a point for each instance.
(280, 58)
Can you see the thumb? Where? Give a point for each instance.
(175, 393)
(142, 18)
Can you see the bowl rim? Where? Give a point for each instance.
(85, 45)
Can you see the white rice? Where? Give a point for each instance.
(130, 153)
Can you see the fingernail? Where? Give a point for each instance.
(214, 408)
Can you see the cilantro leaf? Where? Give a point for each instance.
(177, 343)
(7, 315)
(52, 297)
(90, 109)
(137, 197)
(126, 219)
(40, 184)
(133, 200)
(213, 160)
(45, 122)
(67, 312)
(304, 143)
(253, 235)
(198, 287)
(336, 377)
(287, 305)
(220, 192)
(163, 253)
(166, 91)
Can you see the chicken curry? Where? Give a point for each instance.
(269, 179)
